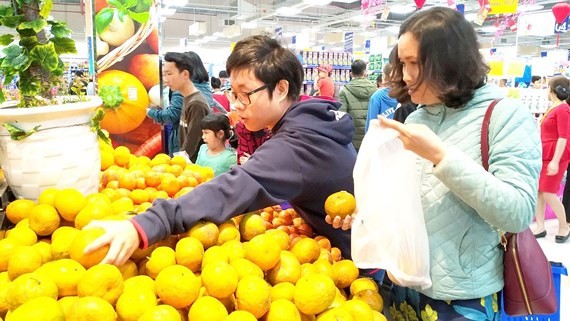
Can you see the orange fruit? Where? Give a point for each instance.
(281, 237)
(128, 270)
(102, 280)
(122, 155)
(361, 284)
(178, 160)
(170, 185)
(207, 308)
(306, 250)
(139, 282)
(24, 259)
(340, 204)
(264, 251)
(177, 286)
(91, 308)
(241, 316)
(282, 310)
(336, 314)
(183, 191)
(314, 293)
(143, 207)
(158, 194)
(139, 196)
(65, 273)
(68, 203)
(80, 242)
(251, 225)
(234, 249)
(37, 309)
(372, 298)
(345, 272)
(324, 243)
(29, 286)
(66, 304)
(24, 235)
(161, 313)
(44, 219)
(107, 159)
(228, 232)
(378, 316)
(336, 254)
(128, 181)
(160, 258)
(245, 268)
(323, 267)
(359, 310)
(175, 169)
(19, 210)
(219, 279)
(122, 205)
(47, 196)
(287, 269)
(189, 252)
(61, 241)
(283, 290)
(253, 294)
(206, 232)
(45, 251)
(92, 212)
(152, 178)
(134, 304)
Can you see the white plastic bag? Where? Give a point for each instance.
(389, 230)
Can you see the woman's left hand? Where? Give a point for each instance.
(337, 222)
(552, 168)
(418, 139)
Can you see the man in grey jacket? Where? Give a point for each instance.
(354, 98)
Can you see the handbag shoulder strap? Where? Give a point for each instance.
(485, 134)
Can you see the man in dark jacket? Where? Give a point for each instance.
(354, 98)
(309, 157)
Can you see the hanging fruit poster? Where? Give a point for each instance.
(128, 72)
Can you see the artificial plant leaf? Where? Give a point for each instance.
(11, 21)
(29, 42)
(15, 58)
(6, 11)
(64, 45)
(29, 86)
(2, 98)
(104, 18)
(140, 17)
(18, 133)
(143, 6)
(37, 25)
(59, 29)
(6, 39)
(46, 7)
(131, 3)
(12, 51)
(115, 3)
(45, 56)
(59, 71)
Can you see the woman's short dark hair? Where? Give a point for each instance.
(560, 86)
(181, 61)
(534, 79)
(200, 74)
(269, 61)
(215, 83)
(449, 59)
(358, 68)
(217, 122)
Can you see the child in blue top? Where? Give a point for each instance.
(214, 153)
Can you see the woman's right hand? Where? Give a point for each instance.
(121, 236)
(337, 222)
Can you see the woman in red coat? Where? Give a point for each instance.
(554, 132)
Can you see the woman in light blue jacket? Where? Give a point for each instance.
(439, 67)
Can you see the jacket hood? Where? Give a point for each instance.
(360, 88)
(321, 117)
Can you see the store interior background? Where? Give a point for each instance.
(210, 27)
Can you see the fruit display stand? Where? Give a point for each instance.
(264, 265)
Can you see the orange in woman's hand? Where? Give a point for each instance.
(340, 204)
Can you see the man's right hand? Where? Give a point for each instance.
(122, 238)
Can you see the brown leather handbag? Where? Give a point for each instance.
(529, 287)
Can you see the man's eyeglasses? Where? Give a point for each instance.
(244, 97)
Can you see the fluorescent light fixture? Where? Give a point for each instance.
(249, 24)
(167, 11)
(288, 11)
(470, 16)
(401, 9)
(317, 2)
(548, 46)
(529, 7)
(197, 28)
(488, 29)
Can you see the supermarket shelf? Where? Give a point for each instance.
(333, 67)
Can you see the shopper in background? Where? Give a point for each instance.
(324, 85)
(381, 103)
(224, 78)
(213, 153)
(554, 132)
(219, 96)
(380, 81)
(536, 82)
(438, 66)
(309, 157)
(201, 80)
(176, 73)
(169, 116)
(249, 142)
(354, 98)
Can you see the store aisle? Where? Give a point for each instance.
(558, 253)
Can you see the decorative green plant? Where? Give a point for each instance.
(34, 55)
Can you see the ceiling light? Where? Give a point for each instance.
(400, 9)
(249, 24)
(288, 11)
(317, 2)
